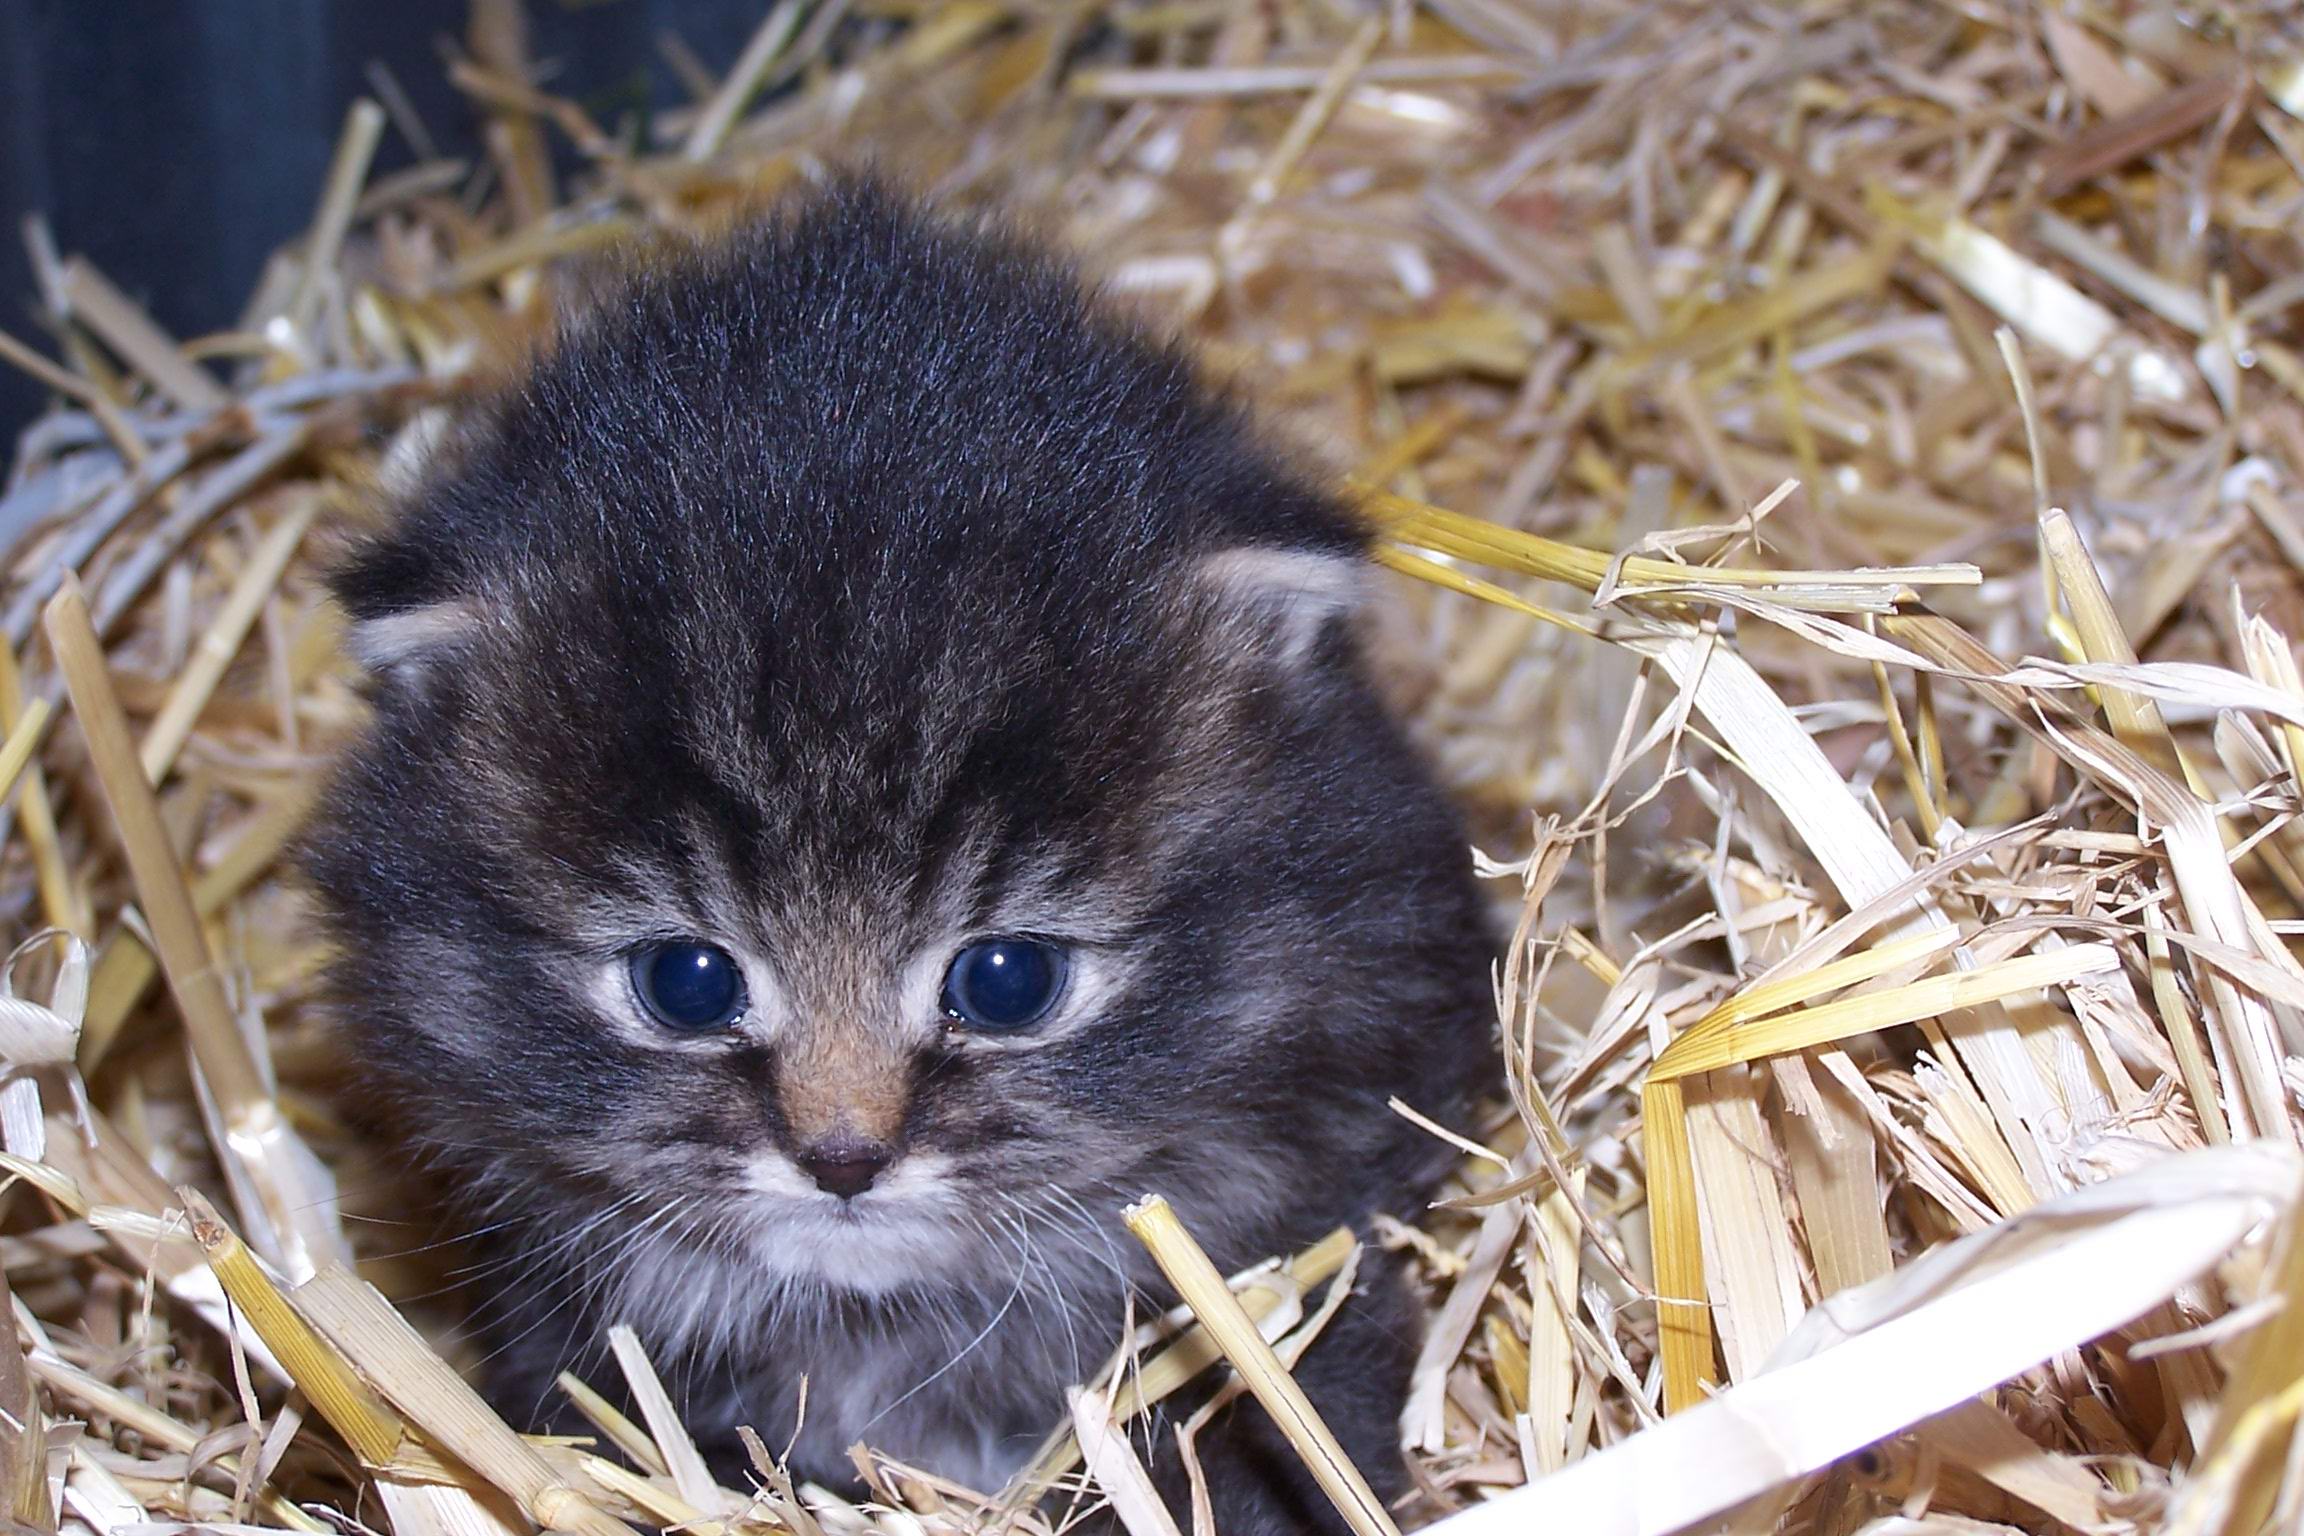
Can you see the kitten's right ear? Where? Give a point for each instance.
(407, 616)
(406, 610)
(405, 645)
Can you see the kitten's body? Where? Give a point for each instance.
(843, 595)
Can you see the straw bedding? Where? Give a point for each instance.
(1860, 626)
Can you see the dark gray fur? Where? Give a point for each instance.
(839, 592)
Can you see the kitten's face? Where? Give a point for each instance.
(783, 952)
(869, 775)
(710, 916)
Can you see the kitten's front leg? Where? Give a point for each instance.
(1356, 1374)
(521, 1375)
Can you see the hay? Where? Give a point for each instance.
(1870, 436)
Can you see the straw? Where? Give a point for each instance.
(1234, 1331)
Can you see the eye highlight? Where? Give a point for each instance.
(688, 985)
(1004, 984)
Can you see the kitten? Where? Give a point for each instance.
(872, 770)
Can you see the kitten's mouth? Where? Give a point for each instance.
(905, 1231)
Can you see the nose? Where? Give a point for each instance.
(846, 1165)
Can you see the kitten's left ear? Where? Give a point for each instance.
(1289, 597)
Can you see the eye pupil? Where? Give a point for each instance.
(689, 986)
(1003, 983)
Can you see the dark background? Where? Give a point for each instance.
(177, 143)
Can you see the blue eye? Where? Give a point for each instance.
(1003, 983)
(689, 986)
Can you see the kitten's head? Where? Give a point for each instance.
(867, 755)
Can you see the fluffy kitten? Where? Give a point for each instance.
(872, 770)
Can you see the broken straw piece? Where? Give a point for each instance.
(2044, 307)
(1952, 1323)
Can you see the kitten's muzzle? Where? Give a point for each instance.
(846, 1165)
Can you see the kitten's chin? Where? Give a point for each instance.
(905, 1232)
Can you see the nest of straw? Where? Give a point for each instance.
(1843, 463)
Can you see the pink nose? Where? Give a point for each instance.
(846, 1166)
